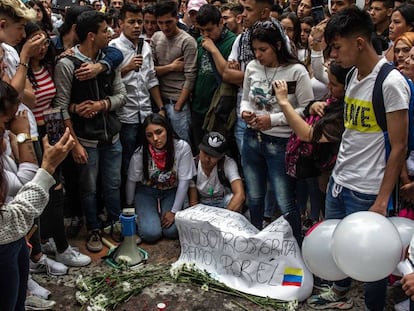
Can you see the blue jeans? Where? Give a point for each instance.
(150, 205)
(180, 120)
(105, 160)
(14, 271)
(264, 156)
(239, 129)
(341, 202)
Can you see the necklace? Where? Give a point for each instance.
(269, 81)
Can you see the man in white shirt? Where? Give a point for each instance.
(138, 76)
(364, 175)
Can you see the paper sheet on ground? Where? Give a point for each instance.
(225, 244)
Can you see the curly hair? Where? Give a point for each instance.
(16, 10)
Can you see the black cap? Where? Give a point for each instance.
(214, 144)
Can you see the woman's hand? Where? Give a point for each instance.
(167, 219)
(317, 108)
(79, 154)
(262, 122)
(281, 92)
(32, 46)
(407, 192)
(54, 155)
(408, 285)
(20, 123)
(249, 117)
(316, 39)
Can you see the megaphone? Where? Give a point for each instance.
(128, 247)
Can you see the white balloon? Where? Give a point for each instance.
(366, 246)
(316, 251)
(405, 227)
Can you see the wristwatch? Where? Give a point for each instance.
(22, 137)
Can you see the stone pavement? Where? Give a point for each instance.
(178, 297)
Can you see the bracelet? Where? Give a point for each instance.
(162, 108)
(103, 106)
(107, 104)
(24, 65)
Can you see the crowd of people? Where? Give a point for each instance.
(159, 106)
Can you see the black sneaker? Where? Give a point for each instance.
(307, 224)
(75, 226)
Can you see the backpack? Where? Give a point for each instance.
(220, 171)
(379, 108)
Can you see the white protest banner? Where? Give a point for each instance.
(233, 251)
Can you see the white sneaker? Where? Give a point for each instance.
(35, 289)
(37, 303)
(48, 265)
(403, 305)
(49, 247)
(73, 258)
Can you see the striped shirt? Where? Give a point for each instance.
(44, 92)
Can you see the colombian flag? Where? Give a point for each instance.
(292, 277)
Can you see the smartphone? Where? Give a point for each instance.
(318, 11)
(55, 126)
(291, 86)
(318, 14)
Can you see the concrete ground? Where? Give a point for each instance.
(178, 297)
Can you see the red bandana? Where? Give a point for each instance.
(159, 157)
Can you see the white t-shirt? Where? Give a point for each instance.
(210, 187)
(361, 159)
(183, 168)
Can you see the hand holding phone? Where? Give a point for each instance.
(291, 88)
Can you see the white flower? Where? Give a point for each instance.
(80, 283)
(81, 298)
(95, 308)
(79, 279)
(175, 272)
(126, 286)
(292, 305)
(124, 259)
(204, 287)
(190, 266)
(99, 301)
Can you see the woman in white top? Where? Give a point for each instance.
(158, 178)
(265, 139)
(16, 216)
